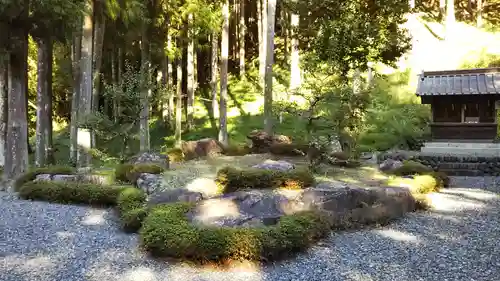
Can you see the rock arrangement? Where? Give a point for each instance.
(202, 148)
(262, 141)
(83, 178)
(151, 158)
(275, 165)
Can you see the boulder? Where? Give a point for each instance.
(202, 148)
(207, 187)
(389, 165)
(149, 183)
(244, 208)
(275, 165)
(66, 178)
(43, 177)
(151, 158)
(174, 195)
(262, 141)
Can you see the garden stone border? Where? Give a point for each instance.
(487, 166)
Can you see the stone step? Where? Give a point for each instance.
(462, 172)
(462, 145)
(460, 166)
(491, 152)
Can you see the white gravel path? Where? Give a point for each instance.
(458, 241)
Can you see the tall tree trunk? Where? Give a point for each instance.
(85, 101)
(213, 76)
(171, 94)
(165, 79)
(4, 87)
(178, 105)
(268, 88)
(479, 17)
(16, 161)
(442, 9)
(223, 136)
(98, 41)
(242, 34)
(263, 43)
(43, 101)
(190, 73)
(295, 76)
(145, 89)
(75, 98)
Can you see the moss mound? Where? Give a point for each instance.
(78, 193)
(232, 179)
(51, 170)
(286, 149)
(166, 232)
(130, 205)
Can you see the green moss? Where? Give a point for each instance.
(132, 219)
(289, 149)
(410, 167)
(167, 232)
(67, 193)
(51, 170)
(175, 155)
(130, 205)
(121, 172)
(237, 150)
(139, 169)
(232, 179)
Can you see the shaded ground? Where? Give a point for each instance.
(457, 241)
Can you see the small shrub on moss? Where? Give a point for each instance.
(121, 172)
(237, 150)
(175, 155)
(132, 219)
(233, 179)
(289, 149)
(65, 192)
(426, 184)
(51, 170)
(167, 232)
(442, 177)
(410, 167)
(130, 205)
(139, 169)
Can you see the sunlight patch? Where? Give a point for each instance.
(94, 217)
(139, 274)
(398, 235)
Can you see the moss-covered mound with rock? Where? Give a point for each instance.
(232, 179)
(167, 232)
(33, 173)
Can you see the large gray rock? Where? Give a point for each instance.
(244, 208)
(390, 165)
(43, 177)
(151, 158)
(149, 183)
(275, 165)
(173, 196)
(66, 178)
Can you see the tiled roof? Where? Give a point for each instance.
(459, 82)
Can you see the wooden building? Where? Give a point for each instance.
(463, 103)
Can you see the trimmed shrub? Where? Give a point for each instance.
(166, 232)
(410, 167)
(426, 184)
(286, 149)
(121, 172)
(237, 150)
(51, 170)
(232, 179)
(130, 205)
(175, 155)
(443, 177)
(63, 192)
(139, 169)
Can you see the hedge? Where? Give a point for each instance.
(128, 200)
(51, 170)
(232, 179)
(166, 232)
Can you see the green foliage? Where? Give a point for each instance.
(424, 184)
(175, 155)
(412, 168)
(122, 170)
(68, 193)
(166, 232)
(51, 170)
(139, 169)
(130, 204)
(232, 179)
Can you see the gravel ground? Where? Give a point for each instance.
(458, 241)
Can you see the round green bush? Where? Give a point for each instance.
(51, 170)
(232, 179)
(130, 198)
(139, 169)
(132, 219)
(166, 232)
(70, 192)
(121, 172)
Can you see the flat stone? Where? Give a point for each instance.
(275, 165)
(43, 177)
(66, 178)
(172, 196)
(151, 158)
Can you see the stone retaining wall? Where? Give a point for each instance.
(489, 166)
